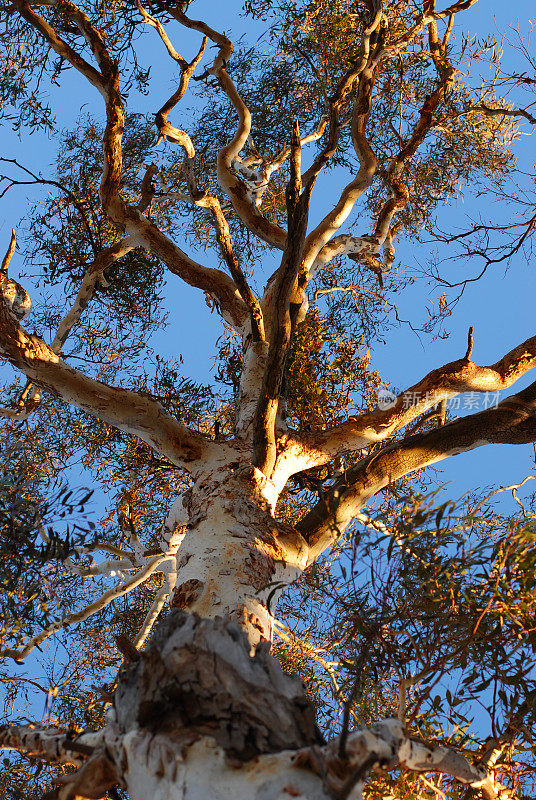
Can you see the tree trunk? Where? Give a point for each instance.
(235, 558)
(197, 717)
(206, 711)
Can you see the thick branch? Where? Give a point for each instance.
(264, 445)
(387, 744)
(223, 235)
(513, 421)
(440, 384)
(124, 409)
(331, 223)
(51, 744)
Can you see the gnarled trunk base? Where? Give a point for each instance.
(198, 717)
(197, 679)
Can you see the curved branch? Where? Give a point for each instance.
(331, 223)
(30, 398)
(241, 199)
(387, 744)
(257, 171)
(441, 384)
(213, 281)
(427, 16)
(202, 199)
(370, 56)
(60, 46)
(513, 421)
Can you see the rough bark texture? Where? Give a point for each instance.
(196, 678)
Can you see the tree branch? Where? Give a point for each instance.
(441, 384)
(256, 171)
(241, 199)
(387, 744)
(121, 589)
(94, 274)
(200, 198)
(61, 747)
(505, 112)
(264, 444)
(30, 397)
(9, 253)
(398, 192)
(364, 74)
(126, 410)
(213, 281)
(513, 421)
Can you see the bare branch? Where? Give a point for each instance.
(513, 421)
(281, 323)
(94, 274)
(50, 743)
(505, 112)
(79, 616)
(165, 129)
(126, 410)
(213, 281)
(38, 179)
(9, 253)
(155, 23)
(241, 199)
(440, 384)
(30, 397)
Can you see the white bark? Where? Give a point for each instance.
(158, 770)
(235, 558)
(195, 716)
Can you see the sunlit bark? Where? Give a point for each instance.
(225, 555)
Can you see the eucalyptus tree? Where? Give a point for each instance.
(263, 478)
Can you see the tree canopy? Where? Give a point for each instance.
(293, 178)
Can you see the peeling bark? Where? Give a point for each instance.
(204, 710)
